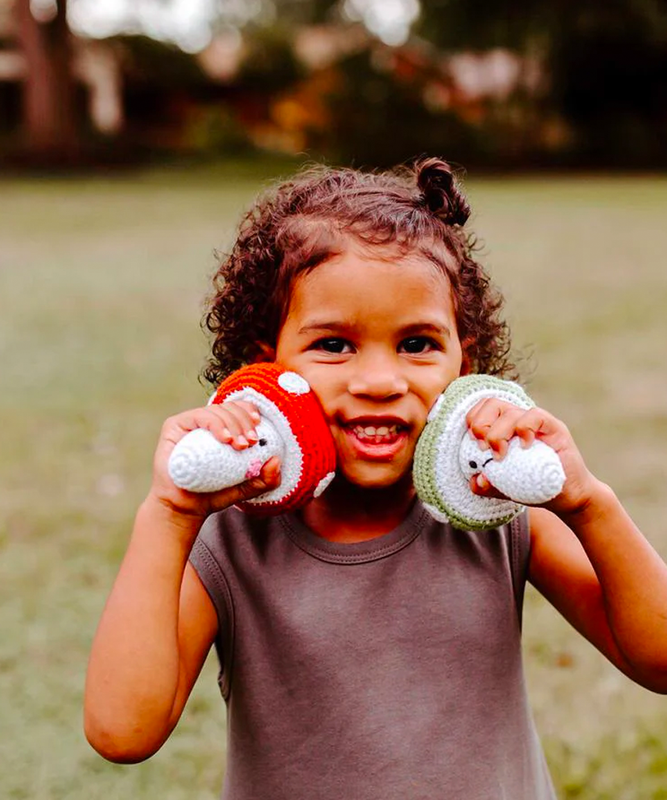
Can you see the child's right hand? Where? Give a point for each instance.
(232, 423)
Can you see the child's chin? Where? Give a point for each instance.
(376, 476)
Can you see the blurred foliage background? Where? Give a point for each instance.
(132, 136)
(499, 84)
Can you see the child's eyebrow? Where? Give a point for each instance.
(426, 327)
(324, 327)
(412, 329)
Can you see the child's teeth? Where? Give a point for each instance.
(370, 431)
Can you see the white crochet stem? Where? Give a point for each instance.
(201, 463)
(531, 476)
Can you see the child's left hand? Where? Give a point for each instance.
(494, 422)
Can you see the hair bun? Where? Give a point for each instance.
(440, 191)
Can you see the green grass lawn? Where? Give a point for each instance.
(101, 282)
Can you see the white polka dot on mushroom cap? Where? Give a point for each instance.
(293, 383)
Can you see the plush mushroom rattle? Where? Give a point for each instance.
(292, 427)
(447, 457)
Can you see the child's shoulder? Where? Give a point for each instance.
(227, 530)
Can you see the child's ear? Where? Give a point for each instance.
(265, 353)
(466, 359)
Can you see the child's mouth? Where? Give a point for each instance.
(381, 441)
(376, 435)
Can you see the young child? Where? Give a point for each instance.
(366, 650)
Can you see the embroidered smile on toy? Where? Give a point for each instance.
(447, 457)
(292, 427)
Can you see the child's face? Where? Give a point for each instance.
(375, 336)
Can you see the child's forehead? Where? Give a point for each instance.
(327, 262)
(364, 262)
(358, 282)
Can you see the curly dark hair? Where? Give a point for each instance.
(301, 223)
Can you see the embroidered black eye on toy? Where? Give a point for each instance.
(447, 457)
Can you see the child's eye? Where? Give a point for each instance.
(333, 345)
(417, 344)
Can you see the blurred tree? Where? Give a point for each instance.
(269, 63)
(606, 63)
(378, 119)
(609, 72)
(485, 24)
(306, 12)
(49, 113)
(147, 59)
(265, 13)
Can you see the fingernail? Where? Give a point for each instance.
(482, 482)
(242, 441)
(226, 433)
(252, 435)
(255, 415)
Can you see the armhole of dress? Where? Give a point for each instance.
(225, 638)
(519, 554)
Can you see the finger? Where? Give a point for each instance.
(176, 427)
(502, 430)
(530, 425)
(220, 423)
(251, 409)
(267, 480)
(243, 425)
(270, 472)
(235, 426)
(247, 416)
(482, 487)
(480, 418)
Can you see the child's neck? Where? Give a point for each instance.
(346, 513)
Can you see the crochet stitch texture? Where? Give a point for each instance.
(447, 457)
(292, 427)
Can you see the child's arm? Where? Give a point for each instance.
(587, 556)
(159, 622)
(601, 573)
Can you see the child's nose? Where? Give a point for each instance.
(379, 378)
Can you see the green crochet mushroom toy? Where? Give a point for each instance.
(447, 457)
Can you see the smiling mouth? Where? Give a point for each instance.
(380, 434)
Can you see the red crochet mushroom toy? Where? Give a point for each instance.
(292, 426)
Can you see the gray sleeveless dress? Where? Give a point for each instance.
(384, 670)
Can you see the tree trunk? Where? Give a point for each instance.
(49, 114)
